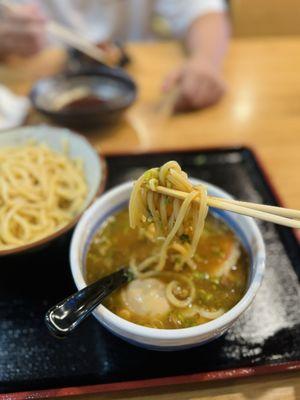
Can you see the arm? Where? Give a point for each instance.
(199, 77)
(208, 37)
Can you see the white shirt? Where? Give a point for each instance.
(127, 19)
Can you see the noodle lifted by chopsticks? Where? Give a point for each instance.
(171, 217)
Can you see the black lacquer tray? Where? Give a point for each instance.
(266, 338)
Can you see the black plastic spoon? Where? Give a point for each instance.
(63, 318)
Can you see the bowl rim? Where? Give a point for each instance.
(118, 324)
(49, 238)
(115, 74)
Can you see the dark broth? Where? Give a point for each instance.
(115, 243)
(86, 103)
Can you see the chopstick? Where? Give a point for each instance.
(276, 215)
(166, 105)
(69, 37)
(148, 118)
(78, 42)
(281, 211)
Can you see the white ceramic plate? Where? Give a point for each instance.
(56, 139)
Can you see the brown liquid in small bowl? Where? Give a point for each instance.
(83, 104)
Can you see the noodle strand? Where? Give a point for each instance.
(40, 192)
(176, 220)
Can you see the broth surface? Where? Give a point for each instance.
(216, 292)
(85, 103)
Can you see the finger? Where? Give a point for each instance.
(36, 10)
(35, 40)
(198, 91)
(208, 92)
(22, 49)
(24, 14)
(208, 98)
(189, 90)
(171, 80)
(204, 95)
(181, 104)
(26, 42)
(31, 33)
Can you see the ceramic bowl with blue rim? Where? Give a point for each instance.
(78, 148)
(167, 339)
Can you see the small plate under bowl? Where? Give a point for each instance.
(104, 93)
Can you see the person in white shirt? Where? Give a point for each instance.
(201, 24)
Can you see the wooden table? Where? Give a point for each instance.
(261, 110)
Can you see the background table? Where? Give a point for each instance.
(261, 110)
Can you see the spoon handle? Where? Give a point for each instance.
(63, 318)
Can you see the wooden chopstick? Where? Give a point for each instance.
(78, 42)
(230, 205)
(281, 211)
(250, 212)
(166, 105)
(147, 118)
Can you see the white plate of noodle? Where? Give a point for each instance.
(48, 177)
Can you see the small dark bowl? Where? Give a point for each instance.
(116, 90)
(78, 61)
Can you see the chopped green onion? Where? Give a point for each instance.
(215, 280)
(185, 238)
(200, 275)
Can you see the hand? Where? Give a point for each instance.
(200, 84)
(22, 31)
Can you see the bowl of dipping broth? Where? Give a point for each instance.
(85, 99)
(231, 260)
